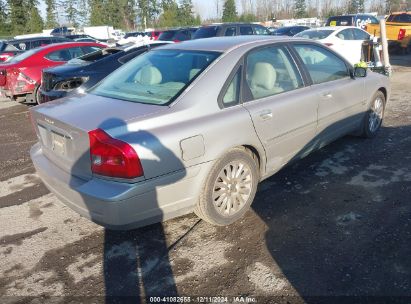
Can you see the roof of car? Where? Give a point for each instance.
(222, 44)
(332, 28)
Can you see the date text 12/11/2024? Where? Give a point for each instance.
(200, 299)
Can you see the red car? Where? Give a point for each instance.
(21, 75)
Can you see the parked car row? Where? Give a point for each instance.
(20, 76)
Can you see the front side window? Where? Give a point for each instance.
(261, 30)
(271, 71)
(360, 35)
(246, 30)
(156, 77)
(322, 65)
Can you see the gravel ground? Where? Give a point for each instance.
(336, 224)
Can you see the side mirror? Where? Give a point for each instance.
(360, 72)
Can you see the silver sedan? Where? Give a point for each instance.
(196, 126)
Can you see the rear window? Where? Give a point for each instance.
(339, 21)
(315, 34)
(400, 18)
(156, 77)
(167, 35)
(206, 32)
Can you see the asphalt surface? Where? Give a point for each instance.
(336, 224)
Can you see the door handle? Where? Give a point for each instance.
(266, 114)
(327, 95)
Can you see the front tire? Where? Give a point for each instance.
(374, 116)
(229, 188)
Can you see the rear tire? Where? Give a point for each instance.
(36, 95)
(229, 188)
(374, 116)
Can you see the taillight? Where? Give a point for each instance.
(401, 34)
(113, 157)
(5, 56)
(3, 75)
(328, 44)
(21, 75)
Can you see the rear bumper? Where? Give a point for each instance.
(51, 95)
(123, 206)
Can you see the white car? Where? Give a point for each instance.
(346, 40)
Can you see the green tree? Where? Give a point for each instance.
(18, 16)
(300, 9)
(169, 17)
(4, 19)
(83, 12)
(185, 13)
(71, 12)
(97, 12)
(147, 11)
(51, 14)
(356, 6)
(35, 23)
(229, 11)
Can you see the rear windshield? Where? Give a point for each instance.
(400, 18)
(314, 34)
(156, 77)
(339, 21)
(167, 35)
(23, 56)
(206, 32)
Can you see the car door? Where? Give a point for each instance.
(341, 97)
(283, 110)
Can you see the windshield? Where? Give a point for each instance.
(157, 77)
(315, 34)
(206, 32)
(23, 56)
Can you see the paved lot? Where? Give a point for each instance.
(337, 223)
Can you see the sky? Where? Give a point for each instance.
(206, 8)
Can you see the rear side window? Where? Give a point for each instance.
(271, 71)
(315, 34)
(206, 32)
(246, 30)
(322, 65)
(75, 52)
(232, 93)
(400, 18)
(60, 55)
(167, 35)
(89, 49)
(230, 31)
(182, 36)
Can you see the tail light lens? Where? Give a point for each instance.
(401, 34)
(5, 56)
(21, 75)
(3, 76)
(113, 157)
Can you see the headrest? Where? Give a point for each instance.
(264, 76)
(149, 75)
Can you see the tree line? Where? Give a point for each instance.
(23, 16)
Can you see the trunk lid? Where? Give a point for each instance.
(62, 127)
